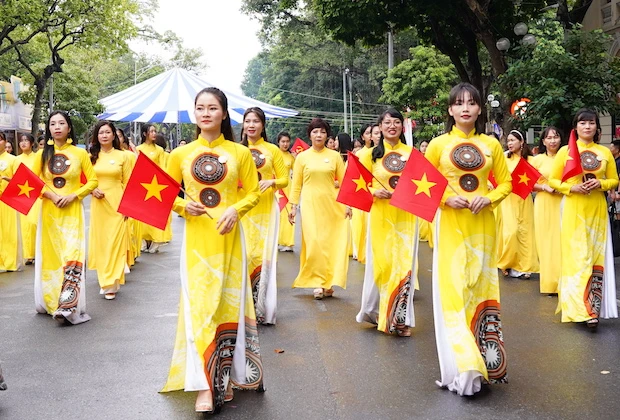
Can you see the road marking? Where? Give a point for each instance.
(170, 314)
(321, 306)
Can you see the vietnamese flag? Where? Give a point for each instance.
(420, 188)
(282, 199)
(149, 194)
(572, 167)
(23, 190)
(299, 146)
(354, 190)
(524, 177)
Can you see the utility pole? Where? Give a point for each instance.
(390, 48)
(344, 97)
(350, 101)
(51, 107)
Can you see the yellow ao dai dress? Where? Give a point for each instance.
(287, 231)
(10, 244)
(28, 224)
(324, 259)
(60, 254)
(518, 250)
(547, 227)
(466, 301)
(108, 236)
(217, 338)
(392, 264)
(260, 227)
(587, 287)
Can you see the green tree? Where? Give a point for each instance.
(422, 84)
(565, 71)
(302, 68)
(108, 27)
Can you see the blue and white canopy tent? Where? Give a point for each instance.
(169, 98)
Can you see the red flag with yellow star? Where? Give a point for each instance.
(23, 190)
(299, 146)
(149, 194)
(572, 167)
(420, 187)
(282, 199)
(524, 177)
(354, 191)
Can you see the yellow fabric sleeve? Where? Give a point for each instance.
(433, 154)
(298, 175)
(174, 170)
(89, 172)
(556, 172)
(611, 175)
(249, 179)
(279, 168)
(501, 174)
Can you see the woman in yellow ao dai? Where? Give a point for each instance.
(217, 339)
(286, 235)
(152, 238)
(324, 259)
(108, 236)
(60, 269)
(547, 213)
(391, 268)
(261, 223)
(588, 279)
(134, 227)
(466, 300)
(518, 257)
(11, 249)
(28, 224)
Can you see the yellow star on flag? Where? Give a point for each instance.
(423, 185)
(523, 179)
(153, 189)
(25, 189)
(278, 195)
(360, 184)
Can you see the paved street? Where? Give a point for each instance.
(332, 368)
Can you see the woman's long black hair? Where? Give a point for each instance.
(379, 150)
(226, 128)
(48, 149)
(95, 146)
(261, 116)
(144, 131)
(457, 93)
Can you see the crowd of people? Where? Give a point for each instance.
(228, 282)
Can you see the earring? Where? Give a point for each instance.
(50, 142)
(69, 140)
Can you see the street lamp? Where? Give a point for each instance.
(520, 29)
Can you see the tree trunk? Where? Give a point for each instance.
(40, 84)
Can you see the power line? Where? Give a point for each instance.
(322, 97)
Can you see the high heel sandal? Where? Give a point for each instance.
(229, 394)
(405, 332)
(204, 402)
(328, 292)
(318, 294)
(592, 323)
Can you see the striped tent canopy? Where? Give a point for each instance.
(169, 98)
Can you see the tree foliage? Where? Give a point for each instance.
(422, 84)
(565, 71)
(302, 68)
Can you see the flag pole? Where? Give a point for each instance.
(191, 198)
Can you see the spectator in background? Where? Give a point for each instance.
(344, 145)
(331, 143)
(365, 136)
(375, 134)
(9, 148)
